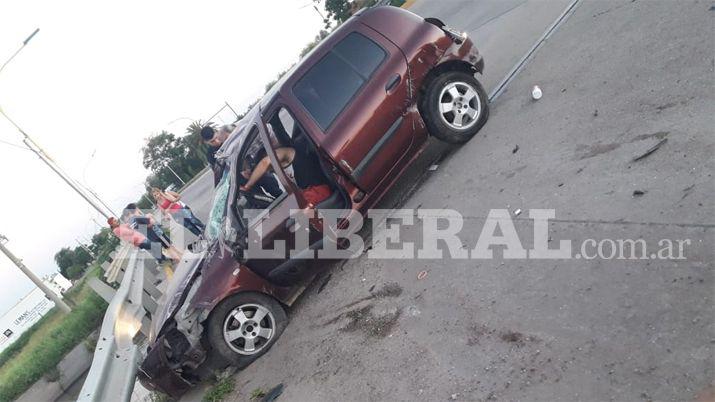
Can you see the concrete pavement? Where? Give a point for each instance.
(618, 77)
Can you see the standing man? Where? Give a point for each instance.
(214, 139)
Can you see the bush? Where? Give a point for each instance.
(41, 359)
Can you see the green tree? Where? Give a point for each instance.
(193, 140)
(310, 46)
(270, 84)
(103, 243)
(337, 10)
(160, 150)
(64, 260)
(165, 152)
(81, 257)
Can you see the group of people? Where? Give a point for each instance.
(143, 230)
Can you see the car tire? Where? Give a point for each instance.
(236, 317)
(455, 107)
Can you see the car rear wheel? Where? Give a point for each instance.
(455, 107)
(244, 326)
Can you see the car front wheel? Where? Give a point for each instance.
(244, 326)
(455, 107)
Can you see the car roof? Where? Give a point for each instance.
(316, 54)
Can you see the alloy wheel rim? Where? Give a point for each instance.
(248, 328)
(459, 105)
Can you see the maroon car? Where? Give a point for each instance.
(348, 119)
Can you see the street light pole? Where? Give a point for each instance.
(24, 43)
(177, 176)
(37, 281)
(34, 147)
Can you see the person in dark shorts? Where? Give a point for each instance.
(124, 232)
(170, 203)
(147, 226)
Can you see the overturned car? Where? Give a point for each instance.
(334, 133)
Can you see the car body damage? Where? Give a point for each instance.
(358, 109)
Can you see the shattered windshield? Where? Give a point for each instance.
(218, 208)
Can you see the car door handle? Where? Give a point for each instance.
(392, 83)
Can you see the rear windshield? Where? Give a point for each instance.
(329, 85)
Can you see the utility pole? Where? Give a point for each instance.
(320, 14)
(34, 147)
(37, 281)
(100, 200)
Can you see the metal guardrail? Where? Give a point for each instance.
(114, 366)
(115, 267)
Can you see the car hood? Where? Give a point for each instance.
(173, 298)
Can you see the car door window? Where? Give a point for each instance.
(363, 55)
(333, 81)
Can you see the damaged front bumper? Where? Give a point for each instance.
(157, 374)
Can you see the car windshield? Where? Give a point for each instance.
(218, 208)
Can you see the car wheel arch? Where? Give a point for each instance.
(442, 68)
(209, 310)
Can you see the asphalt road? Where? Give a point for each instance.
(199, 195)
(618, 77)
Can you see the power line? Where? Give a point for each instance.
(15, 145)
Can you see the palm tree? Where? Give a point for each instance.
(194, 142)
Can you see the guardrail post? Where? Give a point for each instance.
(102, 289)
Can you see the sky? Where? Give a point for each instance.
(101, 77)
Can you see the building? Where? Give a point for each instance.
(29, 310)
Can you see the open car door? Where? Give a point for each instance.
(267, 236)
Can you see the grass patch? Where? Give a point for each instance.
(223, 387)
(15, 348)
(80, 291)
(159, 397)
(257, 393)
(50, 340)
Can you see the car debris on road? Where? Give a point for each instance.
(650, 150)
(536, 92)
